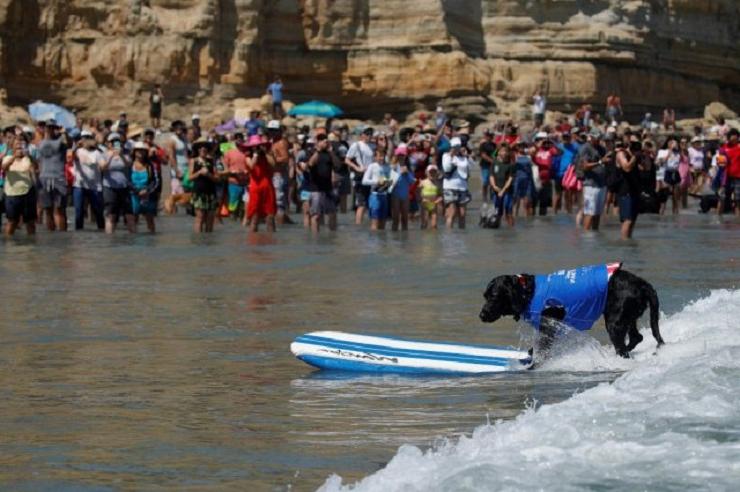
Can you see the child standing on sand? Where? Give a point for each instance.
(431, 197)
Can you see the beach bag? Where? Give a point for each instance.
(536, 177)
(570, 180)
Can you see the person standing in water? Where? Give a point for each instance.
(204, 176)
(262, 204)
(144, 184)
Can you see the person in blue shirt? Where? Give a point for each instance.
(402, 179)
(254, 124)
(568, 150)
(276, 91)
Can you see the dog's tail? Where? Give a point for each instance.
(652, 297)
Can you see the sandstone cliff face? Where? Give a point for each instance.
(372, 55)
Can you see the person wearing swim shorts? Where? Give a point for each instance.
(501, 181)
(456, 167)
(359, 157)
(284, 170)
(53, 188)
(235, 161)
(628, 195)
(322, 201)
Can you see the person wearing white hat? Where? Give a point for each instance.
(195, 126)
(88, 181)
(456, 167)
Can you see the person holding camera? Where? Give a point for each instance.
(116, 169)
(628, 194)
(593, 160)
(19, 189)
(262, 202)
(456, 167)
(320, 169)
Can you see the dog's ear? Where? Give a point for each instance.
(518, 298)
(492, 286)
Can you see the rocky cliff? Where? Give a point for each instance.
(372, 55)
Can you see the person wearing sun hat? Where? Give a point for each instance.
(144, 184)
(202, 172)
(262, 202)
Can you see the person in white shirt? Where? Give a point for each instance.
(456, 167)
(88, 181)
(377, 178)
(359, 157)
(667, 175)
(539, 107)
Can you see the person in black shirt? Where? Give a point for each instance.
(628, 194)
(203, 174)
(486, 150)
(321, 165)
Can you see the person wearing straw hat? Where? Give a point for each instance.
(203, 173)
(262, 204)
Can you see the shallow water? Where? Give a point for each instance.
(144, 362)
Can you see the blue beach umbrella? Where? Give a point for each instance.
(41, 111)
(316, 108)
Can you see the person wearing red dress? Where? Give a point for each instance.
(262, 202)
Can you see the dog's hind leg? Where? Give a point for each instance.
(617, 335)
(635, 337)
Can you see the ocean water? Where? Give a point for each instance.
(671, 421)
(163, 362)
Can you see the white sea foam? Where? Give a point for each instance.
(670, 422)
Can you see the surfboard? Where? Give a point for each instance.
(334, 350)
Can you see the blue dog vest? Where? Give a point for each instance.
(580, 291)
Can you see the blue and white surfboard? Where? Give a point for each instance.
(335, 350)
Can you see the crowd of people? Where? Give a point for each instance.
(265, 174)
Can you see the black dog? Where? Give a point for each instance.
(627, 297)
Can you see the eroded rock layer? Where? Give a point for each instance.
(373, 55)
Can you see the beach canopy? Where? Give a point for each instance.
(228, 127)
(316, 108)
(42, 111)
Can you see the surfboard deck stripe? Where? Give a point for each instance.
(348, 352)
(420, 354)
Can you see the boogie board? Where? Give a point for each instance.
(334, 350)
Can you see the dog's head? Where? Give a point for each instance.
(504, 296)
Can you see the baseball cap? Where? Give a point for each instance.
(540, 136)
(273, 125)
(86, 134)
(195, 117)
(455, 142)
